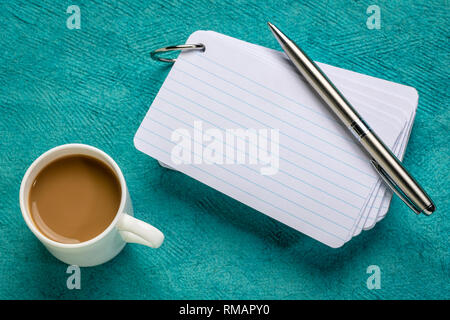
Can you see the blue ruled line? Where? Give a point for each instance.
(267, 113)
(346, 137)
(252, 195)
(264, 124)
(268, 177)
(203, 56)
(271, 191)
(348, 190)
(293, 151)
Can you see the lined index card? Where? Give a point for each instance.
(252, 128)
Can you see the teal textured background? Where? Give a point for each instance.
(94, 86)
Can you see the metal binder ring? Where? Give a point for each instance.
(154, 54)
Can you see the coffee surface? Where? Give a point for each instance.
(74, 199)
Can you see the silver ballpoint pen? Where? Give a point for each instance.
(385, 163)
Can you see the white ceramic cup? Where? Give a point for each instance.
(124, 228)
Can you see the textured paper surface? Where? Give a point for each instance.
(95, 86)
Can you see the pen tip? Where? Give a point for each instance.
(277, 33)
(430, 209)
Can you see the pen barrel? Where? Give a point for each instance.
(395, 171)
(320, 82)
(386, 163)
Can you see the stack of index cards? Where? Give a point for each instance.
(239, 118)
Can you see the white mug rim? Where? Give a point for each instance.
(23, 202)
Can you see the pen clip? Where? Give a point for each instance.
(394, 186)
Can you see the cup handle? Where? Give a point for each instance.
(137, 231)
